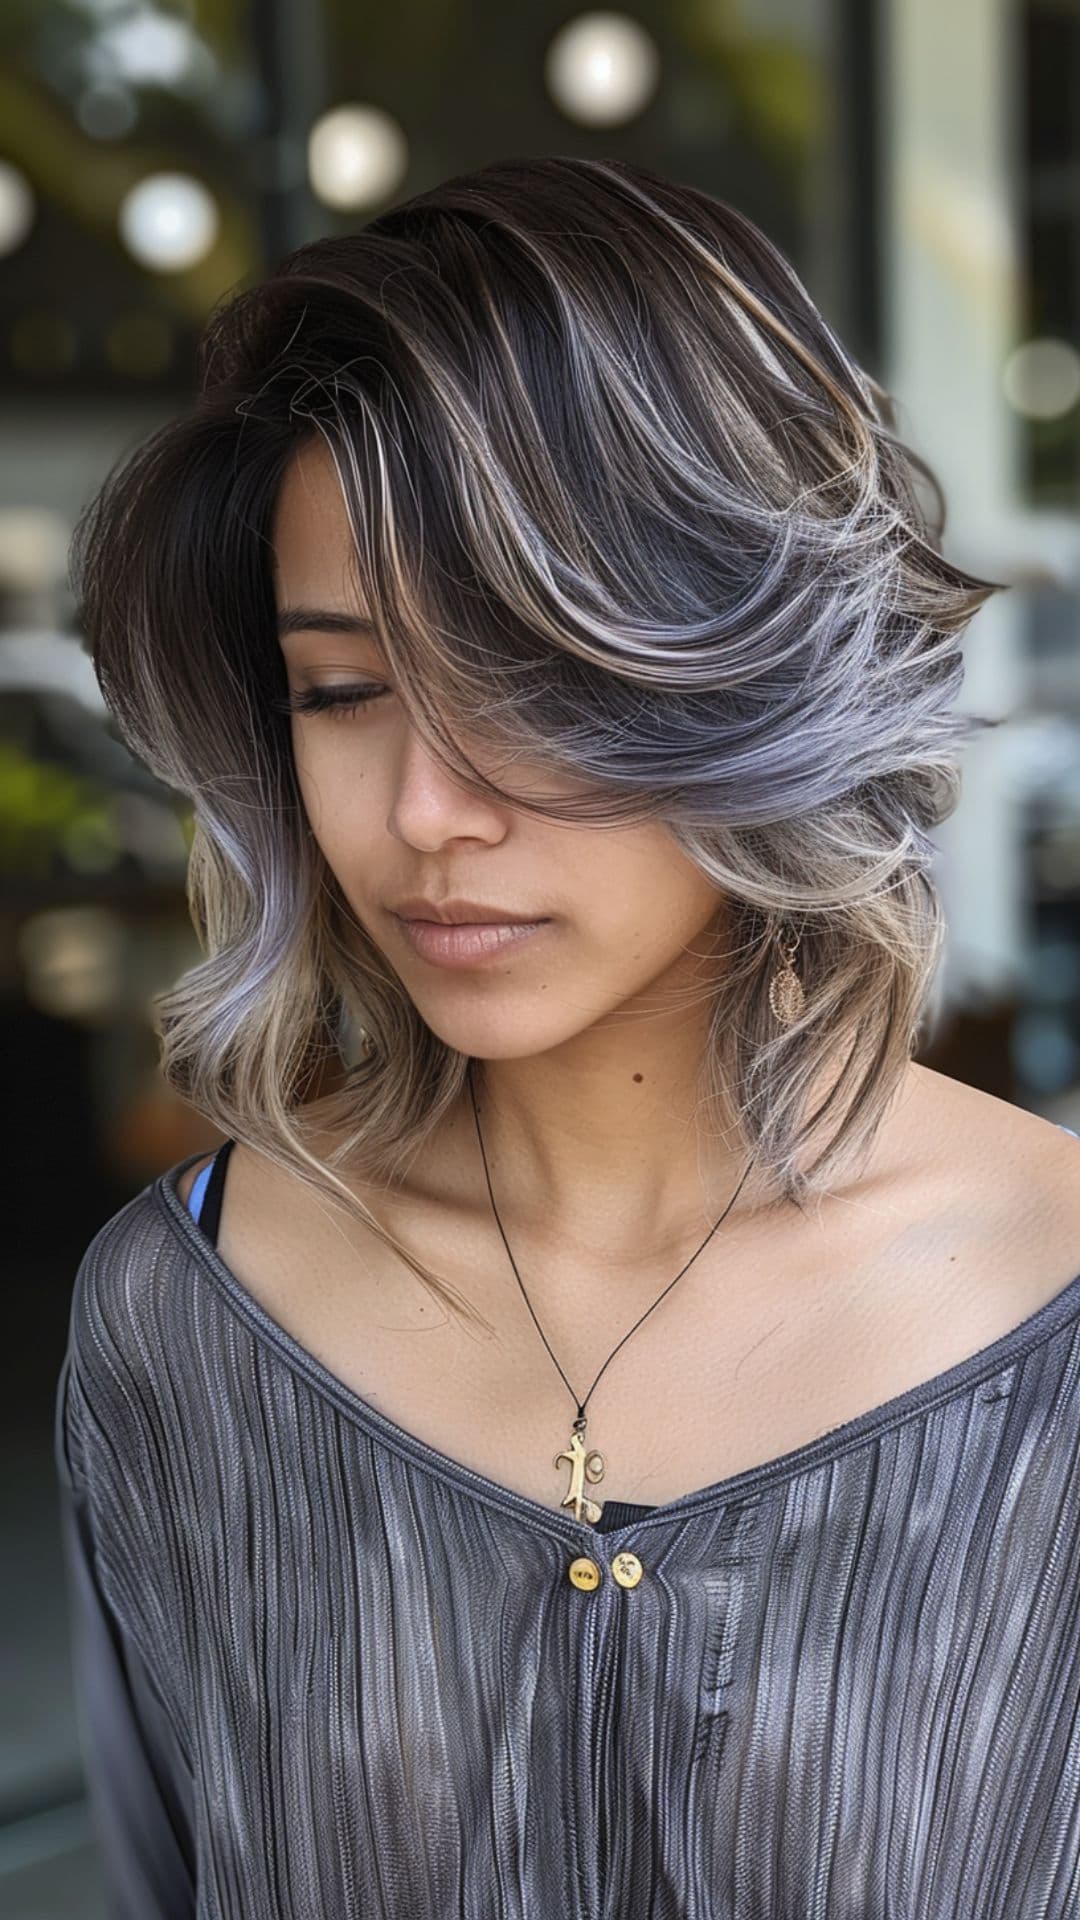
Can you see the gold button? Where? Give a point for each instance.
(585, 1574)
(627, 1569)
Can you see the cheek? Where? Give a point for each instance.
(335, 795)
(643, 881)
(653, 910)
(312, 791)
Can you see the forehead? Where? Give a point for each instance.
(313, 554)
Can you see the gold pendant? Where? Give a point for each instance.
(585, 1464)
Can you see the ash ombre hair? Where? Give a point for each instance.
(625, 510)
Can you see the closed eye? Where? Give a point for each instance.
(334, 700)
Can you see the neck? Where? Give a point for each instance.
(607, 1152)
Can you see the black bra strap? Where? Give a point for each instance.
(210, 1213)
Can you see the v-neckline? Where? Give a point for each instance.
(850, 1434)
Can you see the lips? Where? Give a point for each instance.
(462, 913)
(470, 944)
(487, 920)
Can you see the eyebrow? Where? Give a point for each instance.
(321, 620)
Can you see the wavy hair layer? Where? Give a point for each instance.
(624, 509)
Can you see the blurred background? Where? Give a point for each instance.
(919, 163)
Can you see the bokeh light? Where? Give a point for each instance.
(107, 111)
(151, 48)
(72, 961)
(169, 221)
(17, 207)
(602, 69)
(357, 155)
(1042, 378)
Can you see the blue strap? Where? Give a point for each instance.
(198, 1189)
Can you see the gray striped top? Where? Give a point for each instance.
(326, 1671)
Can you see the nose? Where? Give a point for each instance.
(429, 805)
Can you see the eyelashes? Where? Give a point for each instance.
(338, 701)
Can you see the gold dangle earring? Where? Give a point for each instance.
(786, 996)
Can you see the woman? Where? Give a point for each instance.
(607, 1448)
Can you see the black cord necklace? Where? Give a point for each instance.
(584, 1463)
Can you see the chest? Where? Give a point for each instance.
(751, 1355)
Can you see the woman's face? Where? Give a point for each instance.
(631, 921)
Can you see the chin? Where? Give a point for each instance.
(504, 1038)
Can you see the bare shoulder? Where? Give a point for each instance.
(256, 1184)
(253, 1181)
(988, 1128)
(1013, 1173)
(273, 1222)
